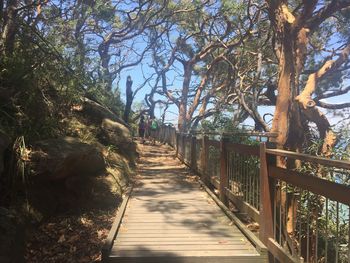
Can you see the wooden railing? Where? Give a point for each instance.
(302, 217)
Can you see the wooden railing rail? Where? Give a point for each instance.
(302, 217)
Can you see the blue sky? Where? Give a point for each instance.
(172, 113)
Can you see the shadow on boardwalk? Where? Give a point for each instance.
(169, 218)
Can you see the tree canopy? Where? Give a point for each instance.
(203, 58)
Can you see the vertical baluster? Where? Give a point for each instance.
(308, 227)
(349, 234)
(258, 186)
(326, 241)
(249, 181)
(275, 215)
(293, 216)
(204, 161)
(316, 245)
(337, 234)
(223, 171)
(241, 174)
(255, 196)
(280, 212)
(228, 169)
(299, 219)
(235, 171)
(193, 153)
(244, 172)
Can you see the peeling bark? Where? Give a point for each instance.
(304, 98)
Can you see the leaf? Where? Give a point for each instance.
(61, 239)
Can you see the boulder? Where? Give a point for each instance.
(4, 144)
(114, 133)
(64, 158)
(111, 130)
(97, 113)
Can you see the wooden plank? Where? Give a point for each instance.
(328, 189)
(178, 213)
(115, 226)
(170, 220)
(200, 228)
(188, 259)
(279, 253)
(245, 231)
(176, 221)
(174, 236)
(180, 210)
(243, 149)
(184, 231)
(180, 253)
(181, 241)
(242, 206)
(194, 247)
(309, 158)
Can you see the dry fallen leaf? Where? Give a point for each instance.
(61, 239)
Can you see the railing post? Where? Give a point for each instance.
(223, 171)
(177, 143)
(167, 140)
(266, 198)
(204, 159)
(183, 147)
(193, 153)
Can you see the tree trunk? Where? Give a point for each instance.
(10, 28)
(129, 99)
(105, 59)
(287, 120)
(182, 120)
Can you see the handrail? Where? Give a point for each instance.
(247, 176)
(310, 158)
(326, 188)
(258, 134)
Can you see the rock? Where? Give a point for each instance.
(66, 157)
(114, 133)
(11, 238)
(97, 113)
(111, 129)
(4, 143)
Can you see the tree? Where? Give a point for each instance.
(129, 99)
(302, 30)
(296, 26)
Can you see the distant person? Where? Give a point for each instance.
(142, 127)
(154, 130)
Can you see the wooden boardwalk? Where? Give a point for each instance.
(170, 218)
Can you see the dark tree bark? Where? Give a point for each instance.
(129, 99)
(9, 28)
